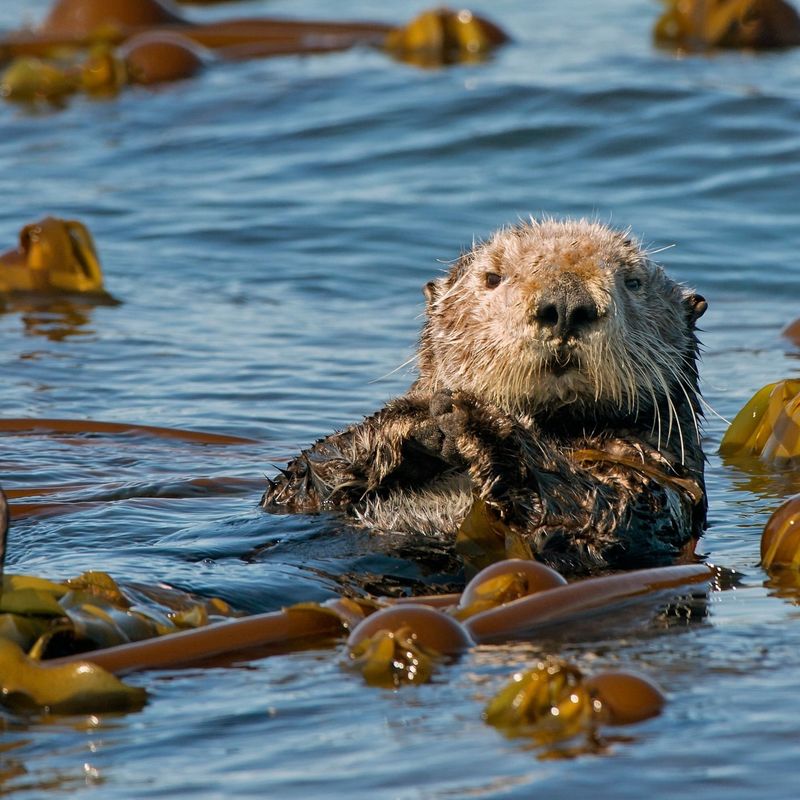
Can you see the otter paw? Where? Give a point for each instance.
(441, 403)
(451, 411)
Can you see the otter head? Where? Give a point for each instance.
(562, 317)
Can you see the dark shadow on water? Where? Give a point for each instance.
(267, 561)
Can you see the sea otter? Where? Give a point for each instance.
(557, 383)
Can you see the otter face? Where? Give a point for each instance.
(550, 315)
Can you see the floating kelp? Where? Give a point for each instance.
(555, 701)
(73, 496)
(504, 582)
(402, 644)
(424, 625)
(89, 426)
(625, 698)
(92, 611)
(768, 426)
(547, 703)
(130, 628)
(55, 257)
(780, 541)
(442, 36)
(144, 60)
(520, 618)
(27, 684)
(276, 631)
(161, 46)
(697, 25)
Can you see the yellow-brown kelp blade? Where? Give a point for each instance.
(780, 541)
(31, 80)
(548, 703)
(92, 611)
(706, 24)
(402, 644)
(55, 256)
(504, 582)
(769, 424)
(443, 36)
(27, 684)
(555, 701)
(520, 617)
(484, 539)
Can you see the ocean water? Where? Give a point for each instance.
(268, 227)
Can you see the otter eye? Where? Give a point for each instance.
(633, 284)
(493, 280)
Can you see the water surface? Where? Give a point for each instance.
(268, 228)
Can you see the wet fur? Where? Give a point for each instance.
(584, 439)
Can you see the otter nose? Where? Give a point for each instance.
(566, 313)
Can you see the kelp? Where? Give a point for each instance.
(27, 684)
(79, 632)
(522, 617)
(554, 702)
(158, 46)
(32, 610)
(780, 540)
(83, 427)
(504, 582)
(145, 60)
(55, 256)
(275, 631)
(483, 539)
(40, 619)
(698, 25)
(442, 36)
(768, 426)
(403, 644)
(93, 611)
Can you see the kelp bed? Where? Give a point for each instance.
(62, 642)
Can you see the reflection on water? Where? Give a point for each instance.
(55, 321)
(751, 476)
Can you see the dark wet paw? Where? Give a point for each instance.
(441, 403)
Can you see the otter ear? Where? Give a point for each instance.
(696, 306)
(431, 292)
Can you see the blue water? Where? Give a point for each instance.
(268, 227)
